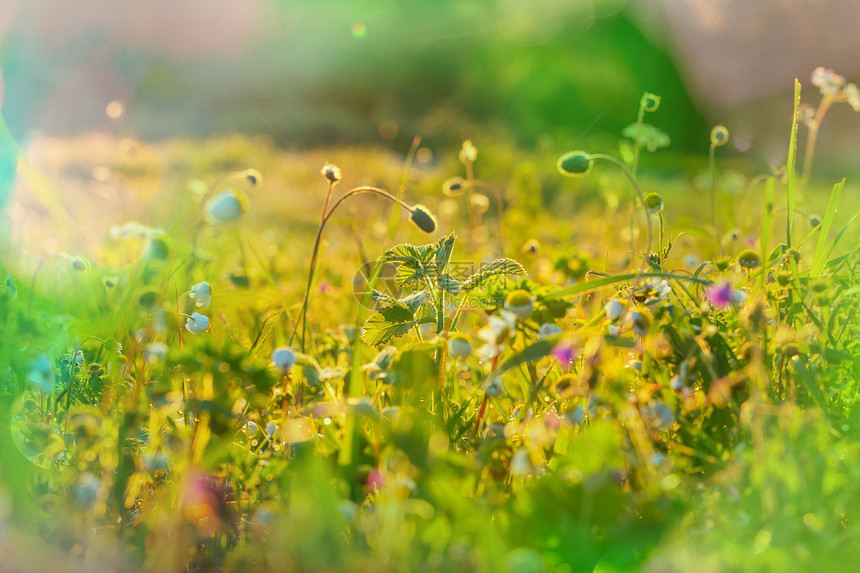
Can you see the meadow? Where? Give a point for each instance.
(468, 358)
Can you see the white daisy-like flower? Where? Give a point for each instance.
(283, 358)
(197, 323)
(202, 294)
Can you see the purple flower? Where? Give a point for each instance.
(720, 295)
(564, 352)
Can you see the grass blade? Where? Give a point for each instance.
(819, 258)
(790, 181)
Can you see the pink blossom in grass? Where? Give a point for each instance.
(720, 295)
(375, 480)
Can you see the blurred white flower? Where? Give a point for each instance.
(226, 206)
(546, 330)
(459, 346)
(496, 334)
(197, 323)
(283, 358)
(853, 96)
(828, 81)
(202, 294)
(155, 352)
(613, 309)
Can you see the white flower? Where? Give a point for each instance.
(546, 330)
(271, 428)
(613, 309)
(427, 330)
(202, 294)
(828, 81)
(459, 346)
(283, 358)
(521, 303)
(250, 429)
(224, 207)
(639, 321)
(496, 333)
(739, 296)
(197, 323)
(155, 352)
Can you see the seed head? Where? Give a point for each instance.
(719, 135)
(574, 164)
(331, 173)
(423, 218)
(749, 259)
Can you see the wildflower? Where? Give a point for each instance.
(423, 218)
(155, 352)
(331, 173)
(613, 309)
(521, 303)
(468, 153)
(654, 203)
(719, 295)
(565, 352)
(453, 186)
(459, 345)
(202, 294)
(749, 259)
(251, 429)
(574, 164)
(283, 358)
(639, 321)
(547, 330)
(719, 135)
(197, 323)
(828, 81)
(496, 333)
(226, 206)
(853, 95)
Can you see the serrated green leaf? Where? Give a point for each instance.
(413, 301)
(409, 273)
(495, 268)
(443, 253)
(387, 324)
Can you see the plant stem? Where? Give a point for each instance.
(712, 162)
(813, 137)
(632, 179)
(302, 319)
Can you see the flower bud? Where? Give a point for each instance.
(423, 218)
(654, 203)
(650, 102)
(453, 186)
(719, 135)
(521, 303)
(202, 294)
(331, 173)
(468, 153)
(749, 259)
(197, 323)
(574, 164)
(226, 206)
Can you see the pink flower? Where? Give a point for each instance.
(375, 480)
(720, 295)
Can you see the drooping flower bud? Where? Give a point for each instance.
(423, 218)
(574, 164)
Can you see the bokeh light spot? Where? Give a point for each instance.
(115, 109)
(388, 129)
(359, 30)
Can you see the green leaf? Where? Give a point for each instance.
(588, 286)
(387, 324)
(413, 301)
(449, 284)
(443, 253)
(493, 269)
(650, 137)
(819, 258)
(528, 354)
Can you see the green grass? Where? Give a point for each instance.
(687, 431)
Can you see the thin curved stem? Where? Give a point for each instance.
(303, 314)
(813, 137)
(632, 179)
